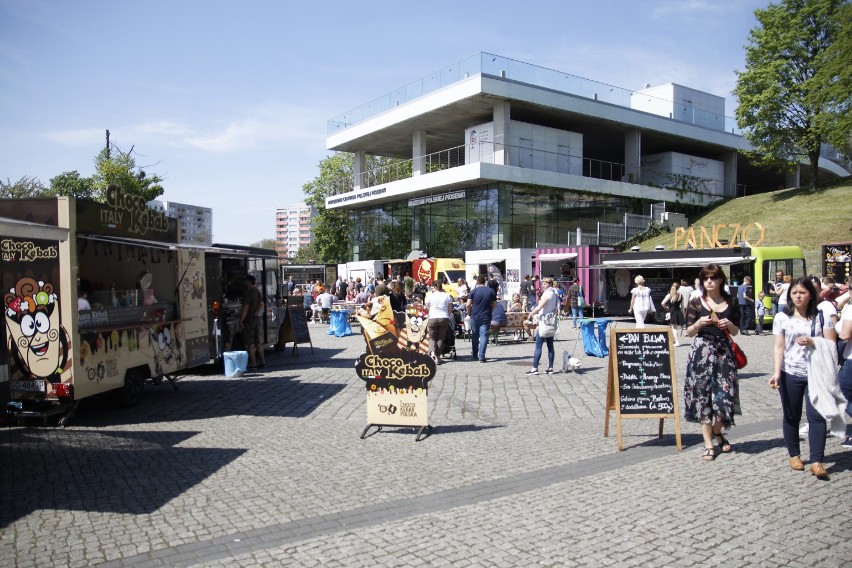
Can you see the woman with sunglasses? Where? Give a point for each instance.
(711, 394)
(796, 330)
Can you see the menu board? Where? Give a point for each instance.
(644, 367)
(837, 261)
(642, 382)
(294, 329)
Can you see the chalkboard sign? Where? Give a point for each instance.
(642, 381)
(294, 329)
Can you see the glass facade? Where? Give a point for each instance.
(493, 216)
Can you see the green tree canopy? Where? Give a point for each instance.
(71, 184)
(305, 255)
(115, 166)
(265, 244)
(785, 105)
(836, 73)
(331, 226)
(24, 188)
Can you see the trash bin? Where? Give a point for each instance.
(602, 325)
(235, 363)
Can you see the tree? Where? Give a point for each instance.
(331, 226)
(331, 232)
(785, 106)
(70, 184)
(305, 255)
(120, 168)
(24, 188)
(836, 72)
(265, 244)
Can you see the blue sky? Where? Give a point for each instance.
(228, 101)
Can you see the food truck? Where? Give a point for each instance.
(427, 270)
(564, 263)
(661, 268)
(366, 270)
(508, 266)
(97, 297)
(225, 269)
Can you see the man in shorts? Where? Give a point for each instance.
(251, 322)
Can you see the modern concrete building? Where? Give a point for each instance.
(293, 225)
(195, 223)
(505, 154)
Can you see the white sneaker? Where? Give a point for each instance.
(532, 372)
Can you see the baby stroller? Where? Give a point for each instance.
(450, 341)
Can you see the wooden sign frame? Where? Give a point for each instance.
(287, 332)
(613, 388)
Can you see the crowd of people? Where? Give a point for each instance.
(812, 328)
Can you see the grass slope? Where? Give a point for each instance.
(789, 216)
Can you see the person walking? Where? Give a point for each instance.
(796, 330)
(574, 292)
(480, 305)
(745, 299)
(673, 303)
(761, 313)
(844, 332)
(440, 307)
(251, 323)
(641, 303)
(711, 391)
(548, 304)
(783, 296)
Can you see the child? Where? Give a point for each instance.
(761, 311)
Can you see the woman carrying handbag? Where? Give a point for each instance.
(547, 305)
(711, 391)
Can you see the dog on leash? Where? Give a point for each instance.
(569, 364)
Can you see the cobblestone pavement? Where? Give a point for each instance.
(269, 470)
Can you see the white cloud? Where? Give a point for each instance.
(263, 127)
(77, 137)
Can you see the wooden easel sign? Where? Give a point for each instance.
(641, 381)
(294, 328)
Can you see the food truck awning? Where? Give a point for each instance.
(550, 256)
(136, 242)
(29, 230)
(674, 262)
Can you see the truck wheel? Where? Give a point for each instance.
(660, 316)
(134, 387)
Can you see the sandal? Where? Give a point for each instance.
(724, 444)
(709, 454)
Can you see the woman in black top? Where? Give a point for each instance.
(711, 394)
(397, 297)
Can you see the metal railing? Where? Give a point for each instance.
(505, 68)
(491, 153)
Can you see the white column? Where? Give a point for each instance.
(357, 168)
(418, 151)
(502, 116)
(632, 156)
(731, 174)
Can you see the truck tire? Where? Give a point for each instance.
(660, 317)
(134, 387)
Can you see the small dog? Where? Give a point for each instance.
(569, 363)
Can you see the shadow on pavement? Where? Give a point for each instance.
(254, 394)
(119, 472)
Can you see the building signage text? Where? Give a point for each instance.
(355, 196)
(25, 251)
(723, 235)
(436, 198)
(132, 211)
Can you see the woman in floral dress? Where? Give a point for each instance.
(711, 393)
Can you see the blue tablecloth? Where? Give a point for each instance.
(339, 326)
(595, 345)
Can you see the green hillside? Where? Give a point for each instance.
(789, 216)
